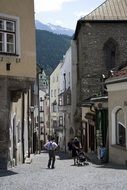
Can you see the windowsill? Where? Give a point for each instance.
(9, 54)
(119, 147)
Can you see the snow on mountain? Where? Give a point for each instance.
(54, 28)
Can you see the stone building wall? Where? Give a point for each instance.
(91, 39)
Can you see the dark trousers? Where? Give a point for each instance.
(51, 161)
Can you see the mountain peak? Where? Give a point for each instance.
(54, 28)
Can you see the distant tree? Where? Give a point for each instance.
(50, 49)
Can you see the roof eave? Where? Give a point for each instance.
(79, 22)
(77, 29)
(115, 80)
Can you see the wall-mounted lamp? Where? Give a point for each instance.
(17, 60)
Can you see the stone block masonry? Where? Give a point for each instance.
(92, 38)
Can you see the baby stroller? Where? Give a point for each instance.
(81, 159)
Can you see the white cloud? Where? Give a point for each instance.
(49, 5)
(82, 13)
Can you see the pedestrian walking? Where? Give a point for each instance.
(51, 146)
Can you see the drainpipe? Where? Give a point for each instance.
(65, 111)
(39, 146)
(23, 127)
(49, 111)
(28, 124)
(64, 81)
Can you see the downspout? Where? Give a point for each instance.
(64, 81)
(28, 123)
(23, 127)
(65, 111)
(39, 146)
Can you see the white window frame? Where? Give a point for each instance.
(60, 120)
(113, 126)
(55, 93)
(16, 33)
(117, 135)
(54, 106)
(51, 93)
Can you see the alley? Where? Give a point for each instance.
(65, 176)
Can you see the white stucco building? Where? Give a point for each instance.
(55, 127)
(117, 105)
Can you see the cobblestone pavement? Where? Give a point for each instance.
(65, 176)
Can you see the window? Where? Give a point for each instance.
(41, 108)
(51, 93)
(54, 107)
(41, 119)
(121, 135)
(42, 131)
(54, 123)
(60, 121)
(110, 51)
(55, 93)
(60, 100)
(120, 128)
(68, 99)
(7, 36)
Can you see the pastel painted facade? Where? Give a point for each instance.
(17, 75)
(21, 52)
(64, 107)
(54, 104)
(44, 117)
(66, 126)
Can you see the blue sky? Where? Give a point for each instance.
(64, 12)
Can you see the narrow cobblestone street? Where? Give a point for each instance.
(65, 176)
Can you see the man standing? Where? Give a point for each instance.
(51, 146)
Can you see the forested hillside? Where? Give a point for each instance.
(50, 49)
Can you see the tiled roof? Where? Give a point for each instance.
(109, 10)
(120, 74)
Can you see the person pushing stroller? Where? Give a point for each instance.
(76, 146)
(81, 159)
